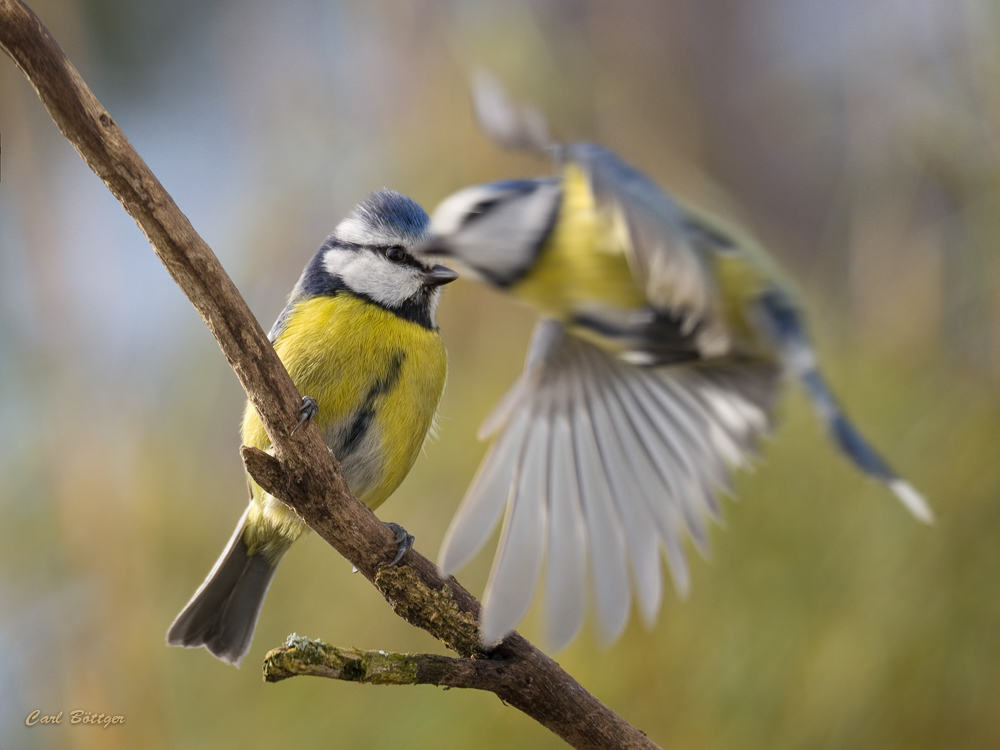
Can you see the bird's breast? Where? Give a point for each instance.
(582, 276)
(377, 379)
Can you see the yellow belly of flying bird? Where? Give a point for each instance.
(581, 261)
(377, 379)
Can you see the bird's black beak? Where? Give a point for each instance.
(440, 275)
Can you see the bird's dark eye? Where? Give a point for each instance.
(395, 253)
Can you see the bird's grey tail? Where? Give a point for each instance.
(223, 612)
(785, 326)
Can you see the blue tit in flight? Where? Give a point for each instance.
(359, 338)
(664, 337)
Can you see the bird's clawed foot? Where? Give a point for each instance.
(403, 539)
(307, 412)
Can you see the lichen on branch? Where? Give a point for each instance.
(305, 656)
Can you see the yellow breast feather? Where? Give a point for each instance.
(583, 261)
(375, 376)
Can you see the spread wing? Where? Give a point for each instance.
(598, 465)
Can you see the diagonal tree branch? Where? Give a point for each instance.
(302, 472)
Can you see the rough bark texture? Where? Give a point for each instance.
(305, 656)
(302, 472)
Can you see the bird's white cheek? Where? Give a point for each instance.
(382, 281)
(373, 276)
(392, 290)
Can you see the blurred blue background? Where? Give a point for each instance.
(859, 140)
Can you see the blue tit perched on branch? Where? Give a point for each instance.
(359, 337)
(653, 372)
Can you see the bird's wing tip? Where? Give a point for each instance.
(491, 630)
(448, 562)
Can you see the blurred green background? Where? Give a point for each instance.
(859, 140)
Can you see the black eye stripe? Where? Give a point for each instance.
(484, 206)
(405, 258)
(504, 192)
(397, 255)
(479, 210)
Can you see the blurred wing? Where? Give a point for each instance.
(665, 251)
(599, 465)
(520, 127)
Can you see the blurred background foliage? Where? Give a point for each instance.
(858, 139)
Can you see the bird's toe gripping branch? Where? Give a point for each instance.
(307, 412)
(404, 540)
